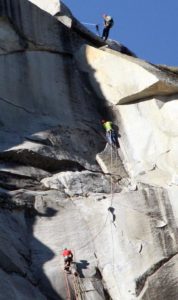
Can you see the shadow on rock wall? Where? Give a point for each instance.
(46, 109)
(41, 254)
(49, 112)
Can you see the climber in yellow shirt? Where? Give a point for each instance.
(110, 134)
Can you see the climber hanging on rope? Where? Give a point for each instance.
(68, 258)
(110, 133)
(108, 24)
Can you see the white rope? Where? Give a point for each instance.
(89, 24)
(111, 202)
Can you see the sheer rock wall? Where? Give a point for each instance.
(60, 186)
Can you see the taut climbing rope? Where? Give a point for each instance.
(68, 294)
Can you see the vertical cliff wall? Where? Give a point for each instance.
(61, 185)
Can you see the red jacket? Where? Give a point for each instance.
(67, 253)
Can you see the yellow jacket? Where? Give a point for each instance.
(107, 126)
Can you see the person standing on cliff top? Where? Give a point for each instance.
(108, 24)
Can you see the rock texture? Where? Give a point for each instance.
(150, 120)
(110, 68)
(61, 185)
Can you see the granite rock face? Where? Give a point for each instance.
(61, 185)
(56, 8)
(149, 117)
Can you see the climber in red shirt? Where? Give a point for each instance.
(68, 258)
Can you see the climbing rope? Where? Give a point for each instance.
(77, 288)
(76, 285)
(92, 24)
(97, 234)
(111, 203)
(111, 187)
(68, 294)
(106, 219)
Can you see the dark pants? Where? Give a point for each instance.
(105, 33)
(111, 137)
(67, 262)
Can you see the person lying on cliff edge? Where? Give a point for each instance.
(111, 136)
(108, 24)
(68, 258)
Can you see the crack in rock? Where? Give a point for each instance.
(37, 49)
(31, 158)
(17, 106)
(140, 282)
